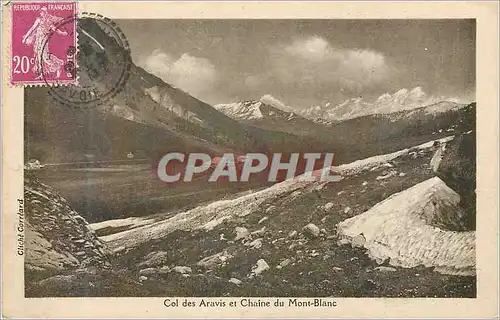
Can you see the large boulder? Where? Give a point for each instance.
(455, 164)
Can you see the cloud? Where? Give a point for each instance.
(272, 101)
(313, 61)
(312, 48)
(192, 74)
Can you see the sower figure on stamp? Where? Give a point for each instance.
(37, 35)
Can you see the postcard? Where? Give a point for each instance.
(250, 159)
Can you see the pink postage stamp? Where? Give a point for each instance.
(44, 43)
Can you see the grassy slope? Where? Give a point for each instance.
(306, 275)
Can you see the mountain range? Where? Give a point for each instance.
(402, 100)
(150, 117)
(265, 114)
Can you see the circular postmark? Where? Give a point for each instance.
(101, 62)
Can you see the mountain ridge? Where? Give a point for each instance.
(401, 100)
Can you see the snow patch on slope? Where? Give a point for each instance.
(119, 223)
(166, 102)
(399, 229)
(245, 110)
(371, 162)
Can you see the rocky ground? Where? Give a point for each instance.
(57, 237)
(285, 244)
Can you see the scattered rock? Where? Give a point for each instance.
(322, 231)
(154, 259)
(143, 278)
(221, 237)
(120, 249)
(260, 267)
(328, 206)
(284, 263)
(386, 176)
(347, 209)
(256, 244)
(343, 241)
(295, 194)
(270, 208)
(235, 281)
(263, 220)
(381, 166)
(182, 269)
(164, 270)
(311, 230)
(241, 233)
(340, 192)
(370, 284)
(214, 261)
(364, 183)
(323, 220)
(148, 271)
(319, 187)
(259, 232)
(402, 174)
(385, 269)
(358, 241)
(292, 234)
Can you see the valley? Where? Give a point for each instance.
(100, 223)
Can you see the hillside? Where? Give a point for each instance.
(58, 238)
(282, 241)
(147, 117)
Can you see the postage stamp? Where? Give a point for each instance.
(44, 43)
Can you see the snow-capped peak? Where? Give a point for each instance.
(243, 110)
(266, 107)
(387, 103)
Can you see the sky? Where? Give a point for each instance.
(307, 62)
